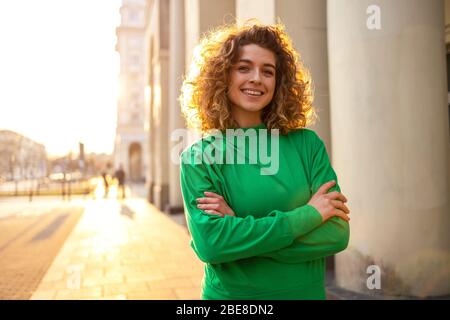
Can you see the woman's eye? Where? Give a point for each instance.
(268, 72)
(243, 68)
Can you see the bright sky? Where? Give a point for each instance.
(59, 72)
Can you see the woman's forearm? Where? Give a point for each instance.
(328, 239)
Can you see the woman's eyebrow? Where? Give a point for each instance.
(251, 62)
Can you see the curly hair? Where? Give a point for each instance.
(204, 100)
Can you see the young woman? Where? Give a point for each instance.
(261, 234)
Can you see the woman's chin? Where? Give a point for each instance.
(252, 108)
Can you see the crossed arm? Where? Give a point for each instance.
(327, 239)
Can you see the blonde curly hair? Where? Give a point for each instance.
(204, 100)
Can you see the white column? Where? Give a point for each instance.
(306, 24)
(390, 140)
(201, 16)
(447, 22)
(176, 69)
(159, 33)
(161, 188)
(263, 10)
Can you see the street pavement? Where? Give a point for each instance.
(30, 237)
(123, 249)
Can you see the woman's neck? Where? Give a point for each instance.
(247, 119)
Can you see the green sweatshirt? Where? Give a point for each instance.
(275, 246)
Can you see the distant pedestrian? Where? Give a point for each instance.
(105, 183)
(120, 176)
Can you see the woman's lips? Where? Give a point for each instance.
(252, 93)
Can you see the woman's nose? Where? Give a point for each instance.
(256, 77)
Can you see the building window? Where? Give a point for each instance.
(134, 42)
(133, 16)
(135, 59)
(135, 117)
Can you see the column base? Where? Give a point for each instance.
(160, 196)
(149, 187)
(173, 209)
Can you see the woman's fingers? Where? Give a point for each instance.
(208, 200)
(214, 212)
(336, 196)
(212, 194)
(340, 205)
(341, 214)
(208, 206)
(324, 188)
(214, 201)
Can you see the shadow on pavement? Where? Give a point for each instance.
(126, 211)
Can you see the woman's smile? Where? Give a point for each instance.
(252, 93)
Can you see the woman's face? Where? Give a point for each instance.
(252, 81)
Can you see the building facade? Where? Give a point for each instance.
(130, 147)
(21, 158)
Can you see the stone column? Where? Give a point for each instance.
(150, 44)
(306, 24)
(159, 44)
(176, 69)
(201, 16)
(263, 10)
(162, 139)
(391, 144)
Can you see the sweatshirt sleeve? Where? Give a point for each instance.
(330, 237)
(218, 240)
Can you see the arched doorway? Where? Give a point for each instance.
(135, 161)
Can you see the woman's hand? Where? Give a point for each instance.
(330, 204)
(214, 204)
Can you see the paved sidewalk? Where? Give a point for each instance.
(124, 250)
